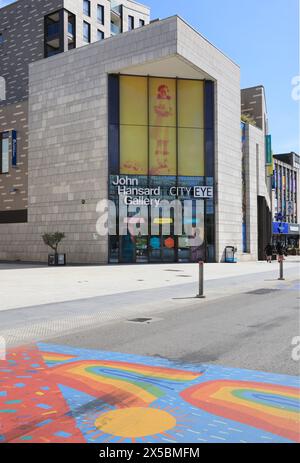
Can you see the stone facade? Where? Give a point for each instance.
(22, 31)
(68, 136)
(256, 185)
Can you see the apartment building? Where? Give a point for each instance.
(32, 30)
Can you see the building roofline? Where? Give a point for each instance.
(137, 3)
(203, 37)
(138, 30)
(9, 5)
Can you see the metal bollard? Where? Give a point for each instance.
(281, 270)
(201, 282)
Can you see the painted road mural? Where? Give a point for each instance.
(51, 393)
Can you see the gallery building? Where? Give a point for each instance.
(141, 119)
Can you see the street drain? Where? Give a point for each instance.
(140, 320)
(172, 270)
(263, 291)
(184, 276)
(144, 320)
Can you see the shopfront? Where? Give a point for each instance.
(161, 169)
(287, 234)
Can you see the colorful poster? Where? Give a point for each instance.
(133, 150)
(162, 114)
(156, 130)
(162, 155)
(191, 152)
(191, 103)
(133, 100)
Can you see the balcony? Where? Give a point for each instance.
(115, 29)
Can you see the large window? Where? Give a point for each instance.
(161, 126)
(87, 7)
(86, 32)
(100, 14)
(4, 152)
(161, 134)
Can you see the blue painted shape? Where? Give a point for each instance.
(62, 434)
(43, 423)
(45, 406)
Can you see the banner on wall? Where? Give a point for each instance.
(268, 150)
(161, 126)
(14, 148)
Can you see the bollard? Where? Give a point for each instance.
(201, 282)
(281, 269)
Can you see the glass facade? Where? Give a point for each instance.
(161, 140)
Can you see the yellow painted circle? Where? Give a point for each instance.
(135, 422)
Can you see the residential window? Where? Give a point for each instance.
(100, 14)
(87, 7)
(1, 38)
(130, 23)
(141, 22)
(86, 32)
(4, 152)
(100, 35)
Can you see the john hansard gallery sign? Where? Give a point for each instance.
(134, 194)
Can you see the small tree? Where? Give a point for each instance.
(53, 239)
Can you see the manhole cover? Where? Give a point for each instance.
(263, 291)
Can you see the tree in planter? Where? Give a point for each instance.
(53, 239)
(248, 119)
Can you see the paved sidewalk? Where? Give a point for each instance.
(30, 285)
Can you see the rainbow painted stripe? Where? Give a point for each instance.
(120, 382)
(274, 408)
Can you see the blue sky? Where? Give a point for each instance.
(262, 36)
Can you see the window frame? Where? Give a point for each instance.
(88, 11)
(102, 35)
(85, 23)
(102, 19)
(130, 22)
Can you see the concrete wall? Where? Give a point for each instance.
(76, 7)
(228, 134)
(136, 10)
(68, 138)
(254, 151)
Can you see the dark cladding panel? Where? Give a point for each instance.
(209, 115)
(113, 124)
(13, 216)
